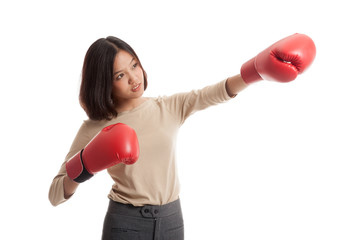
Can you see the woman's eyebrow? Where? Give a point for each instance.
(121, 69)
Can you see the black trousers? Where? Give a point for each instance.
(126, 222)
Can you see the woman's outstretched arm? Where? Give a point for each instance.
(234, 85)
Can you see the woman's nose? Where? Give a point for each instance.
(132, 78)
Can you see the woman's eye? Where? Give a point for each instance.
(119, 76)
(135, 65)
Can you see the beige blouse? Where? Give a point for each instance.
(153, 179)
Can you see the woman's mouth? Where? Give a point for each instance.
(136, 87)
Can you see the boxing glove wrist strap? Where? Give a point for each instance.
(249, 73)
(84, 175)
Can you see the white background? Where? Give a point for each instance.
(281, 161)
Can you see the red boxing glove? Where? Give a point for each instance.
(114, 144)
(282, 61)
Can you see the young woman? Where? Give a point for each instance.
(144, 199)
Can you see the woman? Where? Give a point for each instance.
(144, 199)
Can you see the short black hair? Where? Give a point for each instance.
(97, 77)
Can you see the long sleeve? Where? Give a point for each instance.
(56, 191)
(182, 105)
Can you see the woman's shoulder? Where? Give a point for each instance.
(93, 126)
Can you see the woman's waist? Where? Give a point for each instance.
(146, 211)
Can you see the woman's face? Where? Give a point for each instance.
(128, 77)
